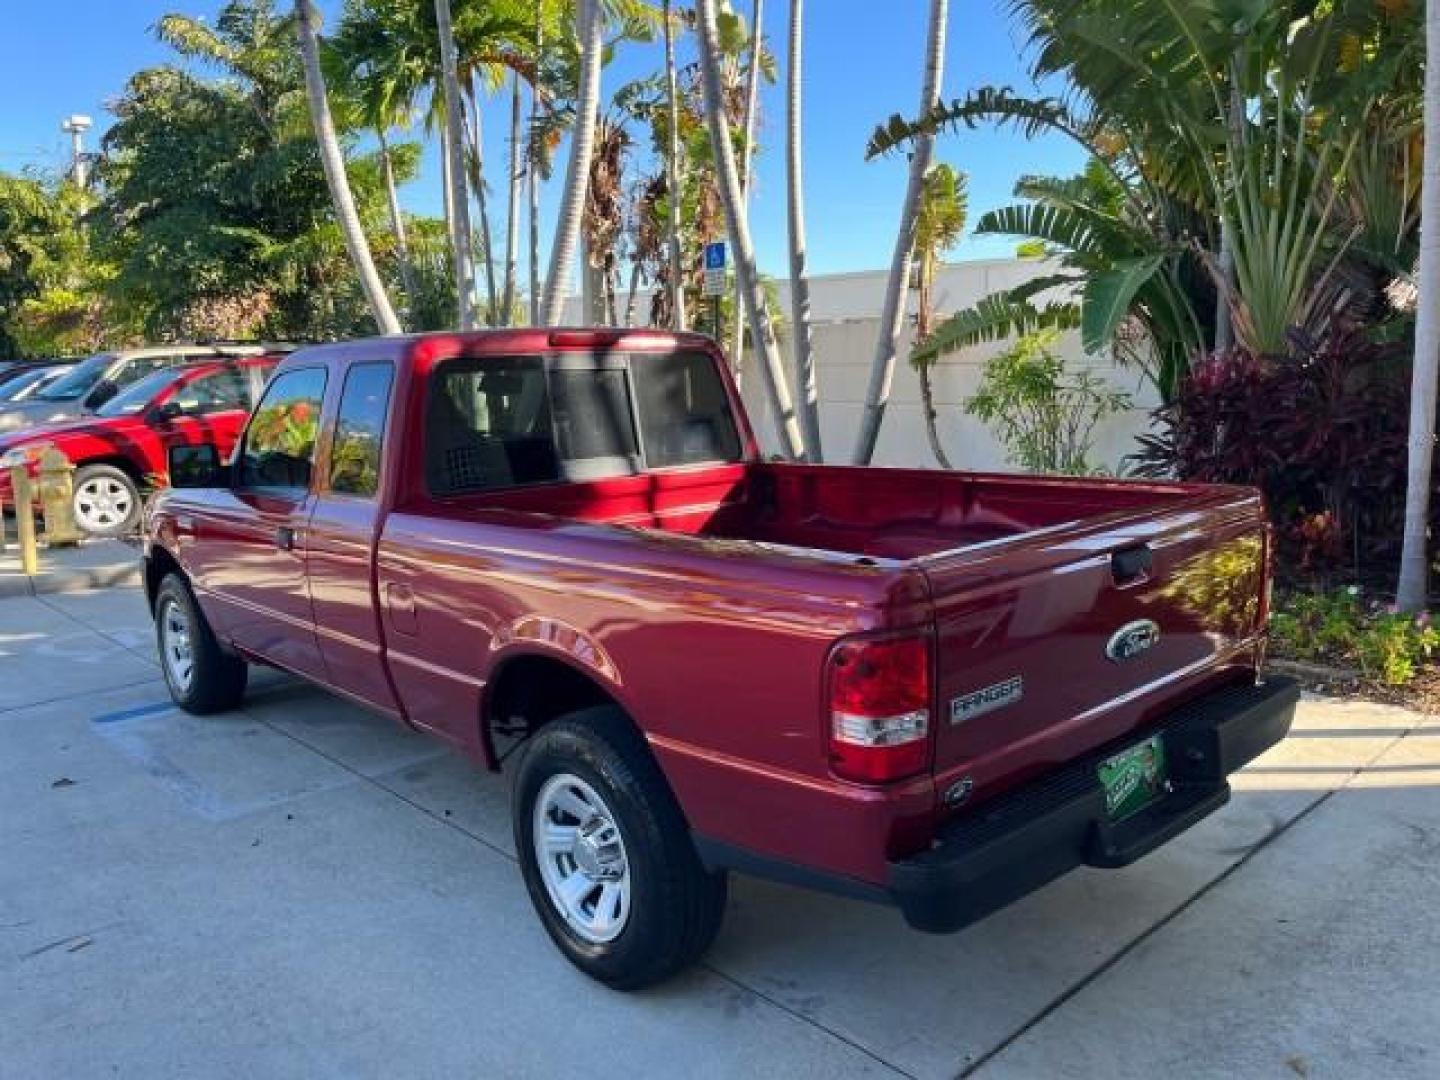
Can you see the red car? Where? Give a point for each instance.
(562, 551)
(121, 448)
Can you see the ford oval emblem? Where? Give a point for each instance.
(1132, 639)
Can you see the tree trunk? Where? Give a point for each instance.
(460, 231)
(532, 174)
(512, 217)
(927, 399)
(892, 316)
(772, 371)
(334, 163)
(752, 90)
(805, 381)
(630, 292)
(672, 177)
(475, 131)
(577, 172)
(397, 218)
(1412, 593)
(1224, 328)
(447, 186)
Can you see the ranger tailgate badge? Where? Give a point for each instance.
(1132, 639)
(969, 706)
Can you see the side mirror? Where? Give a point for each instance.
(103, 392)
(197, 467)
(171, 410)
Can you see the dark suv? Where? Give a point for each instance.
(94, 381)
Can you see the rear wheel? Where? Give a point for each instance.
(606, 854)
(201, 676)
(106, 500)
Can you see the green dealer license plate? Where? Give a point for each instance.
(1134, 778)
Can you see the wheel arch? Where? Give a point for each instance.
(528, 688)
(115, 461)
(159, 563)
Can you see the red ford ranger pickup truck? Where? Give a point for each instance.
(562, 551)
(119, 447)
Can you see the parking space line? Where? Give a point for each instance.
(147, 681)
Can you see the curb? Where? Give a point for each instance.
(65, 580)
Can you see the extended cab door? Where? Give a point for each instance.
(344, 527)
(250, 549)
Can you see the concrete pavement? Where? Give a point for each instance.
(93, 564)
(300, 889)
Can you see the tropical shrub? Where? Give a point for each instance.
(1322, 433)
(1342, 628)
(1044, 414)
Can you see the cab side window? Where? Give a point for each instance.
(360, 430)
(279, 450)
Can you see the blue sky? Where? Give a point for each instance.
(862, 64)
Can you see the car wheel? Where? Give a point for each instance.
(202, 677)
(106, 500)
(606, 854)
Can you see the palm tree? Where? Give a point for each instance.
(747, 153)
(512, 217)
(454, 147)
(1412, 592)
(938, 227)
(772, 372)
(590, 24)
(334, 164)
(805, 380)
(893, 313)
(676, 282)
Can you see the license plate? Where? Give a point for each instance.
(1134, 778)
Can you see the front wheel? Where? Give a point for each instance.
(106, 501)
(201, 676)
(606, 855)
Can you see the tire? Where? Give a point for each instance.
(106, 501)
(214, 680)
(672, 907)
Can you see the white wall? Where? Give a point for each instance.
(845, 320)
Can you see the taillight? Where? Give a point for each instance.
(880, 708)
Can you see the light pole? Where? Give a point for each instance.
(76, 126)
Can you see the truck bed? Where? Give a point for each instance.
(866, 513)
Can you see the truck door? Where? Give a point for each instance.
(250, 550)
(340, 544)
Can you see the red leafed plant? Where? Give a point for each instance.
(1321, 432)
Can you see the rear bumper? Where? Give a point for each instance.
(1030, 836)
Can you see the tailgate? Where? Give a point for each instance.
(1055, 642)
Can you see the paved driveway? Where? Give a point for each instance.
(300, 889)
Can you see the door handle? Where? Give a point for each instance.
(285, 537)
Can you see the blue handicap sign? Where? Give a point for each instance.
(715, 255)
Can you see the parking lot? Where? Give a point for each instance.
(301, 889)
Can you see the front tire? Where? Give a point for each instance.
(106, 501)
(201, 676)
(606, 854)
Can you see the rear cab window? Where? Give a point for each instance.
(502, 422)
